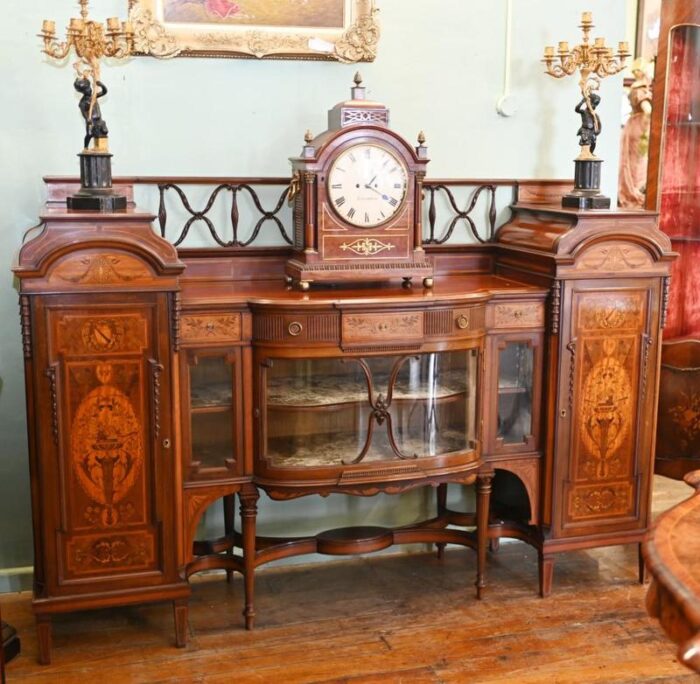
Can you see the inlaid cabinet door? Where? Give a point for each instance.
(608, 378)
(106, 454)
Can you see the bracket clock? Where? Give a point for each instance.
(357, 194)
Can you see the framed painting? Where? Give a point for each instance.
(648, 26)
(343, 30)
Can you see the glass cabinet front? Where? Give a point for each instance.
(212, 423)
(343, 411)
(515, 385)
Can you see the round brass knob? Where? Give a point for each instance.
(462, 322)
(295, 328)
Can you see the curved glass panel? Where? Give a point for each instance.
(334, 412)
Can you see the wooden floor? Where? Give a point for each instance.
(408, 618)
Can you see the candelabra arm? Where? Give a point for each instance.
(56, 50)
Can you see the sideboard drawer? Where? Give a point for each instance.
(397, 328)
(516, 315)
(462, 321)
(211, 328)
(295, 328)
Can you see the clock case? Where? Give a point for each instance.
(328, 249)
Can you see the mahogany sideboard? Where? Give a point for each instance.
(160, 380)
(672, 553)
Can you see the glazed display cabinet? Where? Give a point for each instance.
(164, 381)
(337, 412)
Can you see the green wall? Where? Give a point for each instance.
(440, 69)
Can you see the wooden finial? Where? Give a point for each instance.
(358, 79)
(421, 138)
(308, 136)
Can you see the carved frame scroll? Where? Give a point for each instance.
(355, 41)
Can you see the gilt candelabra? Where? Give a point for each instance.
(593, 62)
(91, 41)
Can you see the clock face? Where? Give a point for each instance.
(367, 185)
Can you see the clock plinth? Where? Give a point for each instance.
(357, 193)
(302, 274)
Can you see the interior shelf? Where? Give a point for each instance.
(338, 390)
(214, 395)
(515, 389)
(211, 408)
(324, 449)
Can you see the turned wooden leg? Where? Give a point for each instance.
(441, 507)
(546, 570)
(180, 612)
(229, 526)
(642, 566)
(249, 508)
(483, 495)
(43, 637)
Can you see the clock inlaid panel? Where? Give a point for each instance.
(367, 185)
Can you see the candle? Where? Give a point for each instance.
(587, 18)
(549, 51)
(600, 42)
(623, 47)
(113, 24)
(48, 26)
(76, 25)
(563, 46)
(127, 27)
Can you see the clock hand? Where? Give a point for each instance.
(368, 186)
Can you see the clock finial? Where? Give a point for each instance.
(358, 92)
(308, 151)
(421, 150)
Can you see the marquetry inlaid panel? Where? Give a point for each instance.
(518, 315)
(210, 328)
(91, 334)
(614, 257)
(594, 501)
(607, 352)
(90, 554)
(106, 269)
(403, 328)
(107, 389)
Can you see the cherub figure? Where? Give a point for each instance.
(95, 126)
(590, 122)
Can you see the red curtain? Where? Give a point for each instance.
(680, 184)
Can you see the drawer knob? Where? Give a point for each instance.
(295, 328)
(462, 322)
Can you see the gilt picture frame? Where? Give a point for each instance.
(342, 30)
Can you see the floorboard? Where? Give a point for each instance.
(401, 618)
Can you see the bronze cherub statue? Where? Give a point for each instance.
(590, 124)
(95, 125)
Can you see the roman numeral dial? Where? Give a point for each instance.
(367, 185)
